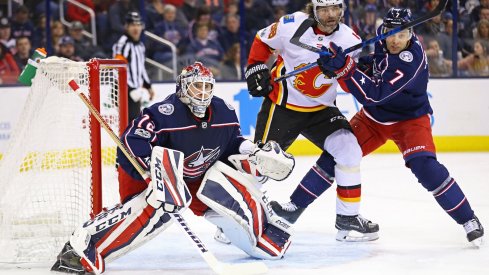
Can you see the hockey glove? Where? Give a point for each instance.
(258, 79)
(338, 65)
(365, 65)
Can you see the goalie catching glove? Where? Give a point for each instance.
(167, 188)
(267, 160)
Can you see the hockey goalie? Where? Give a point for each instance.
(191, 144)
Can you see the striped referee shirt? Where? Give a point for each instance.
(134, 53)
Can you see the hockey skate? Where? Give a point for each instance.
(68, 261)
(289, 211)
(355, 229)
(474, 231)
(220, 237)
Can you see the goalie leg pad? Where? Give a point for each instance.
(238, 209)
(117, 231)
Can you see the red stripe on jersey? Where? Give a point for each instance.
(128, 234)
(260, 52)
(257, 224)
(173, 179)
(349, 193)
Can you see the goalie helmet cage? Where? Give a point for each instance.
(52, 172)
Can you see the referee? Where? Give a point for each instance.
(130, 48)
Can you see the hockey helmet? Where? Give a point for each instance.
(195, 87)
(326, 3)
(396, 17)
(133, 17)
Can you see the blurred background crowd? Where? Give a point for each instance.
(220, 32)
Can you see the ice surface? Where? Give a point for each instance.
(416, 236)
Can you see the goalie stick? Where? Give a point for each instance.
(310, 21)
(217, 266)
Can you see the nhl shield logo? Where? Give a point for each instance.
(166, 109)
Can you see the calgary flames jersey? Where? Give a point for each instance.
(310, 90)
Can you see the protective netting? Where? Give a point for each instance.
(45, 175)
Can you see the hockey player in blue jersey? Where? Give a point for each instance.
(199, 137)
(392, 86)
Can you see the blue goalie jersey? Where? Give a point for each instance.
(171, 124)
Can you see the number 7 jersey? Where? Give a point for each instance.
(310, 90)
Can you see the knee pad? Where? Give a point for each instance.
(343, 146)
(429, 172)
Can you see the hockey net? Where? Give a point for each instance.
(52, 172)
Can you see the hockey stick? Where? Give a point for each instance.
(217, 266)
(310, 21)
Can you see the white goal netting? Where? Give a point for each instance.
(46, 175)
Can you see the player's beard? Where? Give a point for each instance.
(329, 24)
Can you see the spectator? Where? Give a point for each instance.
(259, 14)
(117, 13)
(5, 34)
(57, 31)
(130, 48)
(8, 68)
(189, 9)
(231, 64)
(39, 37)
(206, 50)
(438, 65)
(475, 14)
(203, 18)
(84, 46)
(66, 49)
(21, 24)
(231, 34)
(477, 63)
(169, 29)
(74, 13)
(482, 31)
(367, 23)
(154, 14)
(23, 52)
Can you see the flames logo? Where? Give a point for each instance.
(312, 83)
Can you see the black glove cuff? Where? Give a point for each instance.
(254, 68)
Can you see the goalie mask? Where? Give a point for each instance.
(195, 86)
(328, 13)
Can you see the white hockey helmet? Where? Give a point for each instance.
(195, 87)
(326, 3)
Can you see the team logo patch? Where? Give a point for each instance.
(289, 18)
(166, 109)
(406, 56)
(197, 163)
(142, 133)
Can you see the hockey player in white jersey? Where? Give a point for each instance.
(305, 104)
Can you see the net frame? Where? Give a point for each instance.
(51, 228)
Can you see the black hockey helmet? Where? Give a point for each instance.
(396, 17)
(133, 17)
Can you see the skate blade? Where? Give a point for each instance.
(221, 238)
(354, 236)
(477, 243)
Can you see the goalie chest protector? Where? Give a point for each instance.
(202, 140)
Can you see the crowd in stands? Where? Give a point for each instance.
(210, 31)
